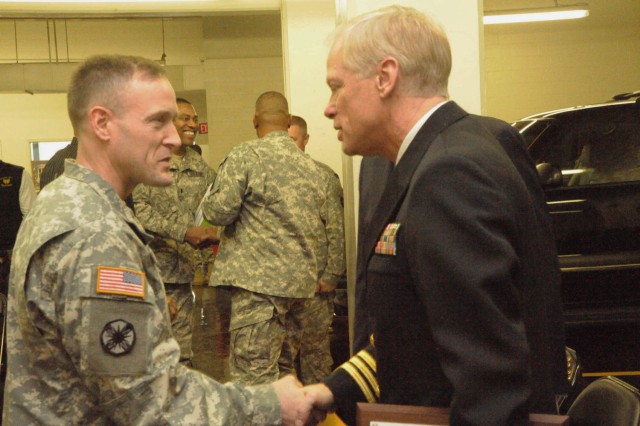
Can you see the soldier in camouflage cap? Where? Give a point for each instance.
(168, 214)
(315, 349)
(89, 340)
(269, 198)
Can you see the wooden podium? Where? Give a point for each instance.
(397, 415)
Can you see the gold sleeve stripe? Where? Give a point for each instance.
(371, 362)
(367, 373)
(360, 381)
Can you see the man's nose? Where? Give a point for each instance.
(330, 111)
(173, 138)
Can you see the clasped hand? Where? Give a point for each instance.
(303, 405)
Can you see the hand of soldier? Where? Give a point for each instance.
(321, 397)
(199, 236)
(173, 307)
(294, 405)
(325, 287)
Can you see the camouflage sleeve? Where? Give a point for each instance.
(141, 383)
(173, 225)
(223, 203)
(186, 397)
(334, 227)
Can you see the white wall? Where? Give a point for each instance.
(306, 27)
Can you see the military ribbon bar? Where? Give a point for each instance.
(387, 244)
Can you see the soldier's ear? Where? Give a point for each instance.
(100, 122)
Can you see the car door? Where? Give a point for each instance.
(596, 217)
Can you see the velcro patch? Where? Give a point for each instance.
(120, 281)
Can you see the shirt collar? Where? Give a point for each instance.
(414, 131)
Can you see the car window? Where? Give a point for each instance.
(592, 146)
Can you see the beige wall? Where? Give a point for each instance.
(25, 118)
(232, 90)
(244, 60)
(538, 67)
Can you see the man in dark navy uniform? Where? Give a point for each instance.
(458, 269)
(16, 195)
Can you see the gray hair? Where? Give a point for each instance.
(417, 42)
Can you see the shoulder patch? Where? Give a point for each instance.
(120, 281)
(118, 337)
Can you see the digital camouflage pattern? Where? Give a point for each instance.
(262, 328)
(77, 356)
(315, 346)
(269, 198)
(182, 323)
(167, 212)
(316, 361)
(331, 248)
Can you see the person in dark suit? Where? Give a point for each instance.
(458, 273)
(55, 165)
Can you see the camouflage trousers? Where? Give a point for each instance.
(315, 349)
(260, 327)
(182, 324)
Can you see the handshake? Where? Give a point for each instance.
(300, 405)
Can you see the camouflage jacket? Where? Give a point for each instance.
(167, 212)
(268, 196)
(89, 340)
(331, 248)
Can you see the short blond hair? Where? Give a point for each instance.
(101, 79)
(416, 41)
(296, 120)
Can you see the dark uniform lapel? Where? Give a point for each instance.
(401, 175)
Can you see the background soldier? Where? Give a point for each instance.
(268, 196)
(315, 349)
(168, 214)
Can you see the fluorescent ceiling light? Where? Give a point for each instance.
(534, 15)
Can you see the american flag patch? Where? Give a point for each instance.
(121, 281)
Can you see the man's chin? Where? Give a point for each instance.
(160, 180)
(349, 149)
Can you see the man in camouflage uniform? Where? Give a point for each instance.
(315, 349)
(168, 214)
(268, 196)
(89, 339)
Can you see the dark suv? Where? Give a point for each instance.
(588, 158)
